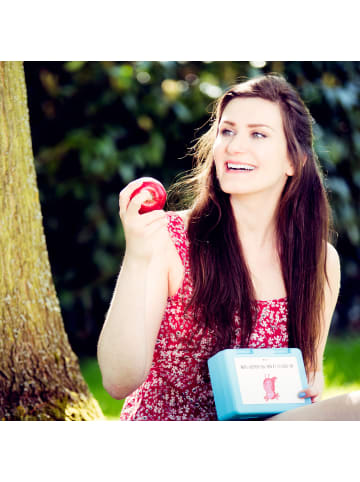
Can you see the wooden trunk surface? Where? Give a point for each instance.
(39, 373)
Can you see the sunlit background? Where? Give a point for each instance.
(98, 125)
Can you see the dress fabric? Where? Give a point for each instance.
(178, 384)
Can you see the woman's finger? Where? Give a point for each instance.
(309, 393)
(135, 203)
(125, 198)
(125, 194)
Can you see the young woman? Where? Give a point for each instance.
(248, 264)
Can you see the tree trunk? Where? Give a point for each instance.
(40, 378)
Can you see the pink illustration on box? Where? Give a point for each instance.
(269, 386)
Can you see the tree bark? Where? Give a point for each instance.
(40, 378)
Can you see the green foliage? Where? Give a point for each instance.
(98, 125)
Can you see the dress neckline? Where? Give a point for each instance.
(275, 300)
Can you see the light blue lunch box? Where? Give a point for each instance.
(257, 382)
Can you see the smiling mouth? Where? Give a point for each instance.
(231, 166)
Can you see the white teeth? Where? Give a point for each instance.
(230, 165)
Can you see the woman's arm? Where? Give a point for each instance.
(316, 379)
(128, 337)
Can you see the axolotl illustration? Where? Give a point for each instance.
(269, 386)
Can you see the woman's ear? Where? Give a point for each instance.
(290, 168)
(290, 171)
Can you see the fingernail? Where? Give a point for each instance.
(302, 394)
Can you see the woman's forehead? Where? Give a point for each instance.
(252, 110)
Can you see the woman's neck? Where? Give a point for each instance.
(255, 220)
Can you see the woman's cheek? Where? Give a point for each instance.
(218, 150)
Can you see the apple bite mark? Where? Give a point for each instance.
(157, 191)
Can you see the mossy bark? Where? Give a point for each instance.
(40, 378)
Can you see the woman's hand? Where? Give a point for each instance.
(145, 234)
(316, 387)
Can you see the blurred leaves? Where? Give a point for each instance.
(98, 125)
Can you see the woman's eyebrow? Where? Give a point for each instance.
(227, 122)
(248, 125)
(260, 125)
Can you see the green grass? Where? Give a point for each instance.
(342, 365)
(91, 372)
(341, 369)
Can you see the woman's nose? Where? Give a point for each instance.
(236, 144)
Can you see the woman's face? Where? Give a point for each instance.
(250, 150)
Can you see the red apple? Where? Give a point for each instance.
(157, 192)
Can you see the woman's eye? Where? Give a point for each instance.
(259, 135)
(226, 132)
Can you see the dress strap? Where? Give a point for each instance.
(178, 234)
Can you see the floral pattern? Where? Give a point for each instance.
(178, 384)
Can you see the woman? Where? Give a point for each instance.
(248, 264)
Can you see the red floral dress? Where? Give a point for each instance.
(178, 384)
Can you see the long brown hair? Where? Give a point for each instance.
(222, 286)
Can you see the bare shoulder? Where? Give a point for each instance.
(333, 259)
(333, 269)
(185, 215)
